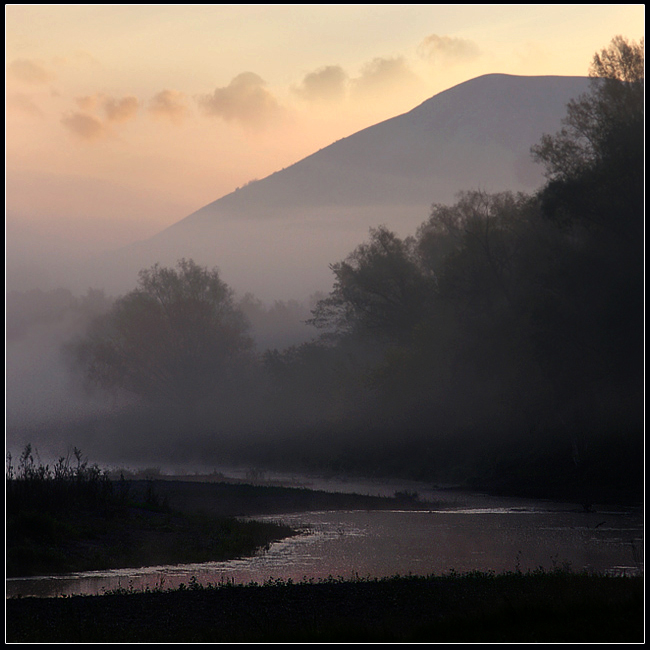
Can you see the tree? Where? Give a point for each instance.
(588, 321)
(472, 246)
(379, 290)
(597, 121)
(595, 167)
(173, 338)
(595, 163)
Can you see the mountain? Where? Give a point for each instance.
(277, 236)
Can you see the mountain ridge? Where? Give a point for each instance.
(276, 237)
(381, 138)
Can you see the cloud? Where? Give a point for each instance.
(115, 110)
(245, 100)
(385, 75)
(82, 57)
(30, 71)
(169, 105)
(21, 103)
(120, 110)
(87, 125)
(447, 49)
(325, 84)
(89, 103)
(84, 126)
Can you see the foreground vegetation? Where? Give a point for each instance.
(541, 606)
(73, 518)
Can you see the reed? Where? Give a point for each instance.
(73, 517)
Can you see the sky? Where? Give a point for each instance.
(123, 119)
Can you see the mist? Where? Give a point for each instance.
(414, 309)
(276, 237)
(49, 404)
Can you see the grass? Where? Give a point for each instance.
(556, 606)
(73, 518)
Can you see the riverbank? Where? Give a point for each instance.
(527, 608)
(56, 527)
(236, 498)
(148, 523)
(183, 515)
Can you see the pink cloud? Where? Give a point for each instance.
(245, 100)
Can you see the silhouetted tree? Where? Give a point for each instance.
(587, 323)
(594, 164)
(173, 338)
(596, 121)
(595, 167)
(468, 358)
(472, 247)
(379, 290)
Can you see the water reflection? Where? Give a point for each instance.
(491, 535)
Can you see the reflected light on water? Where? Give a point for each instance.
(363, 544)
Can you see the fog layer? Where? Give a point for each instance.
(493, 337)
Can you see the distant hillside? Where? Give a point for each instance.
(277, 236)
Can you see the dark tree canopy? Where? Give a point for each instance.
(379, 289)
(471, 246)
(595, 163)
(171, 338)
(465, 252)
(603, 123)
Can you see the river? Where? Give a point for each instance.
(461, 532)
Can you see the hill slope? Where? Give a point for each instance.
(277, 236)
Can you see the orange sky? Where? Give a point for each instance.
(124, 119)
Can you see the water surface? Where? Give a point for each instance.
(461, 532)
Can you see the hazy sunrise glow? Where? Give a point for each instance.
(391, 255)
(121, 120)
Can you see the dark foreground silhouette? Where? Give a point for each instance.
(75, 517)
(73, 525)
(552, 606)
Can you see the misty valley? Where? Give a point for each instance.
(467, 397)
